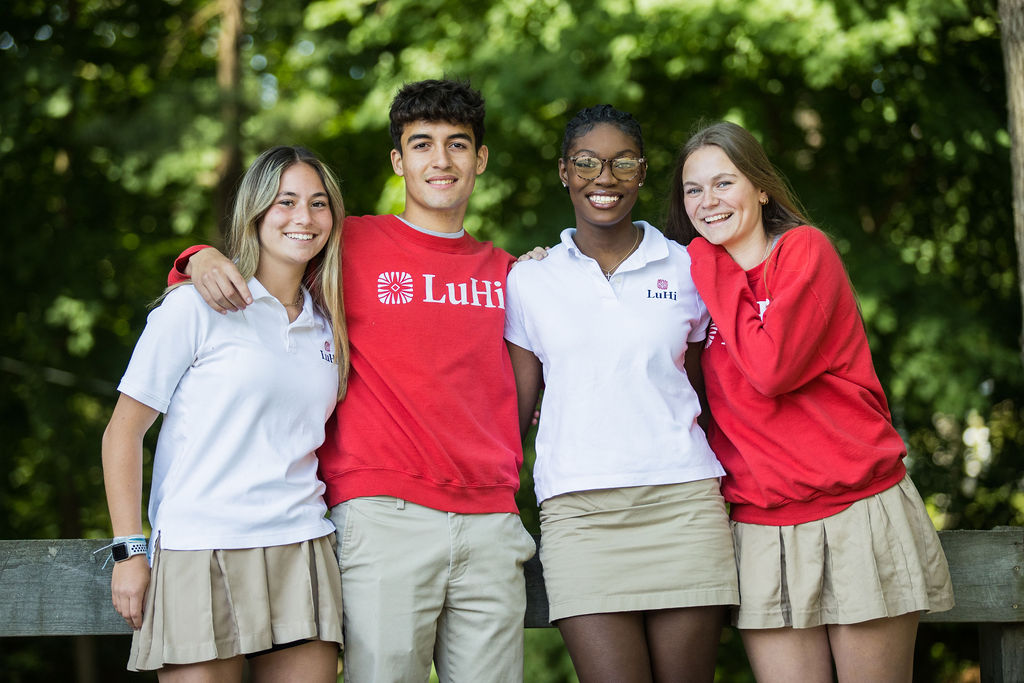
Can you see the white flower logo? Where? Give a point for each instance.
(394, 288)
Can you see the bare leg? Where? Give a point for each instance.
(880, 650)
(683, 643)
(213, 671)
(608, 648)
(783, 655)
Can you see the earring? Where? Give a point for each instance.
(763, 201)
(564, 184)
(641, 184)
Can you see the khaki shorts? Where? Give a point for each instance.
(637, 548)
(215, 604)
(878, 558)
(422, 584)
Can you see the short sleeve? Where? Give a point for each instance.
(166, 349)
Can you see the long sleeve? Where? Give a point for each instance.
(780, 350)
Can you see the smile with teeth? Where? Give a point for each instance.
(716, 218)
(302, 236)
(603, 199)
(441, 181)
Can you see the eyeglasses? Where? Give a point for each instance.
(623, 168)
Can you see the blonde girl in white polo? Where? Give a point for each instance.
(635, 542)
(242, 554)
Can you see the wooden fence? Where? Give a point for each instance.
(59, 587)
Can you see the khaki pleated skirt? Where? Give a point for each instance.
(215, 604)
(878, 558)
(637, 548)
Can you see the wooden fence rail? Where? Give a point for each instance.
(59, 587)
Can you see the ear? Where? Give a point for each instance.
(563, 173)
(643, 174)
(396, 162)
(481, 159)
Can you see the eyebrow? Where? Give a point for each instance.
(289, 193)
(454, 136)
(717, 176)
(590, 152)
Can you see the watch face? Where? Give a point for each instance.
(119, 551)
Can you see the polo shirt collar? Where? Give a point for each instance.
(653, 247)
(259, 292)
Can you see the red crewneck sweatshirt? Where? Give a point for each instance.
(799, 419)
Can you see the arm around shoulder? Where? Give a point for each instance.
(215, 277)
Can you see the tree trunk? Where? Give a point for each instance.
(1011, 12)
(229, 77)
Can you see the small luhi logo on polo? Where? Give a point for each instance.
(662, 292)
(326, 352)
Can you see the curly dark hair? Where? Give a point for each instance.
(454, 101)
(586, 119)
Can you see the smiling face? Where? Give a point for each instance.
(605, 201)
(723, 205)
(440, 164)
(298, 223)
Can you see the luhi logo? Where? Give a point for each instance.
(326, 353)
(394, 288)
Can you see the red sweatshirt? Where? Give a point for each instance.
(799, 420)
(430, 415)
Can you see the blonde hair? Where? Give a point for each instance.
(256, 193)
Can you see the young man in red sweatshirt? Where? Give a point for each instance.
(422, 458)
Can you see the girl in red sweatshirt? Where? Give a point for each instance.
(837, 557)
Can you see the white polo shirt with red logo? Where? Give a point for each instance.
(245, 396)
(618, 408)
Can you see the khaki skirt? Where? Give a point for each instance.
(636, 549)
(878, 558)
(215, 604)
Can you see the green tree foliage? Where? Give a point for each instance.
(889, 118)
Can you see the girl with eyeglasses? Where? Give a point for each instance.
(243, 562)
(635, 544)
(837, 556)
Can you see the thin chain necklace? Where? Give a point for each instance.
(608, 273)
(299, 300)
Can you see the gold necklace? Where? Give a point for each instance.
(299, 300)
(608, 273)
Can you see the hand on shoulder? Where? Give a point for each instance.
(535, 254)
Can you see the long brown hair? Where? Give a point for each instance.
(783, 210)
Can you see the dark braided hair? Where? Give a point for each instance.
(586, 119)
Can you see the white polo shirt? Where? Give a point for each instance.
(245, 396)
(618, 408)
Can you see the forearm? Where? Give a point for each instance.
(122, 480)
(122, 464)
(529, 378)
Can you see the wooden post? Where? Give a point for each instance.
(1011, 13)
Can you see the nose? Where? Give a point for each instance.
(442, 159)
(605, 177)
(301, 215)
(708, 198)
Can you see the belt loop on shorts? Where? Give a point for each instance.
(399, 504)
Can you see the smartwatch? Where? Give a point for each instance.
(128, 546)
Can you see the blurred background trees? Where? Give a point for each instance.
(124, 125)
